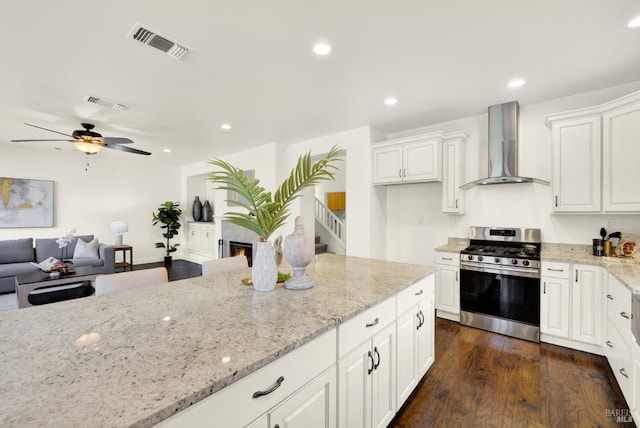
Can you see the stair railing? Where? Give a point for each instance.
(330, 222)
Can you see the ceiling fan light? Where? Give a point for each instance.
(86, 147)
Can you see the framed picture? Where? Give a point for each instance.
(25, 203)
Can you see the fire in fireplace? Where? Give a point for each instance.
(241, 249)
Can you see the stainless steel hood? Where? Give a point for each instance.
(503, 147)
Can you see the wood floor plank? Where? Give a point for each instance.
(482, 379)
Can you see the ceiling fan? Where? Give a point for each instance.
(90, 142)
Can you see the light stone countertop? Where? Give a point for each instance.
(453, 245)
(117, 360)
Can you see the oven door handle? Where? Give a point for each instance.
(512, 271)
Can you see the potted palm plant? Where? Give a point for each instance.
(169, 216)
(264, 213)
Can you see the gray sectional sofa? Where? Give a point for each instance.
(16, 256)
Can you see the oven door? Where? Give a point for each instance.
(505, 294)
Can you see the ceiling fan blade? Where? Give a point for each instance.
(27, 141)
(126, 149)
(117, 140)
(50, 130)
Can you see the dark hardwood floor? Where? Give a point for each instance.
(180, 269)
(482, 379)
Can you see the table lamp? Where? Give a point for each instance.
(119, 227)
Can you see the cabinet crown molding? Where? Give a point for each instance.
(593, 110)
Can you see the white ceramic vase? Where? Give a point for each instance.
(264, 272)
(299, 251)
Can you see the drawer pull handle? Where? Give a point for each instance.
(624, 315)
(270, 390)
(371, 324)
(372, 363)
(376, 365)
(447, 258)
(555, 270)
(609, 296)
(419, 292)
(623, 373)
(608, 342)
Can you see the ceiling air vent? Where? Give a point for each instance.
(151, 38)
(105, 103)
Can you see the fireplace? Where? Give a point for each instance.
(241, 249)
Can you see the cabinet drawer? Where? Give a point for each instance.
(555, 269)
(619, 357)
(414, 294)
(297, 367)
(364, 325)
(619, 307)
(451, 259)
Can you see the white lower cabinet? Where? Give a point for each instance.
(314, 406)
(619, 342)
(571, 305)
(366, 379)
(415, 336)
(201, 238)
(447, 285)
(635, 402)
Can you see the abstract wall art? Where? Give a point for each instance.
(26, 203)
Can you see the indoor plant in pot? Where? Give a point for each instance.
(169, 216)
(265, 214)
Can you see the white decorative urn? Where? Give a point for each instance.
(299, 251)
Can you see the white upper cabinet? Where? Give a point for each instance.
(408, 160)
(453, 173)
(595, 157)
(621, 158)
(576, 165)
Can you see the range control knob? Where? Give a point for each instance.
(470, 257)
(497, 260)
(514, 261)
(479, 258)
(525, 262)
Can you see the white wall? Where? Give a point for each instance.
(116, 186)
(415, 224)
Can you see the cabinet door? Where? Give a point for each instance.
(408, 345)
(635, 401)
(354, 387)
(421, 161)
(383, 393)
(426, 337)
(554, 307)
(452, 176)
(576, 165)
(621, 152)
(207, 241)
(387, 164)
(314, 406)
(587, 304)
(447, 289)
(192, 238)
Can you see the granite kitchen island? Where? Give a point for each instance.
(133, 359)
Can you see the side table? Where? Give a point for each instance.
(124, 264)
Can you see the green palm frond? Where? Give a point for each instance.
(265, 215)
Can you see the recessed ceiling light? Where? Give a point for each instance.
(516, 83)
(322, 49)
(390, 101)
(225, 126)
(635, 22)
(166, 150)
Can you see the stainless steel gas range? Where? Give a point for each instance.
(500, 281)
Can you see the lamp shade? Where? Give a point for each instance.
(119, 226)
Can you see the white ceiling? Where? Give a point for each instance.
(252, 65)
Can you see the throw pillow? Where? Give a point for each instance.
(86, 250)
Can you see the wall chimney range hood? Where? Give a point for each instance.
(503, 147)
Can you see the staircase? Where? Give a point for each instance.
(331, 223)
(320, 248)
